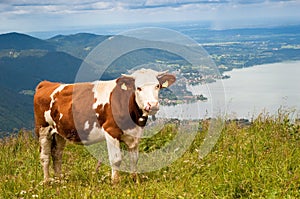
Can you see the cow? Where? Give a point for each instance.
(89, 112)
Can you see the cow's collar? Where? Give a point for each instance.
(143, 120)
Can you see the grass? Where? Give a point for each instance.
(257, 161)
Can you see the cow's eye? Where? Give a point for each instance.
(157, 86)
(139, 88)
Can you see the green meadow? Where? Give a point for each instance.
(261, 160)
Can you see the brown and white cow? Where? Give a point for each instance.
(86, 113)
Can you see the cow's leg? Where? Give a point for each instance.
(57, 148)
(134, 154)
(98, 165)
(132, 143)
(45, 150)
(114, 153)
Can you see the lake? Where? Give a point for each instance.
(247, 93)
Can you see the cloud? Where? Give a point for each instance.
(50, 6)
(62, 6)
(36, 15)
(75, 5)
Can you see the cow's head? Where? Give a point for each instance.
(147, 84)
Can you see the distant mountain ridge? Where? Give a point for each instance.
(18, 41)
(78, 45)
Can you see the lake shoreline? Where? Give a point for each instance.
(247, 93)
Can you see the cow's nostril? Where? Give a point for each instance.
(151, 106)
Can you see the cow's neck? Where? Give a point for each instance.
(125, 110)
(136, 113)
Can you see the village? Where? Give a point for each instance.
(191, 76)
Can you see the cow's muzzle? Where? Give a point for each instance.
(152, 107)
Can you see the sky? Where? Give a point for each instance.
(55, 15)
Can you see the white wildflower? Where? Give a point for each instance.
(23, 192)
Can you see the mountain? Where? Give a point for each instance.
(77, 45)
(24, 62)
(25, 72)
(18, 41)
(18, 79)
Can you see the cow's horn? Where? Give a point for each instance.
(162, 73)
(129, 76)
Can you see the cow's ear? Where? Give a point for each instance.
(166, 80)
(125, 83)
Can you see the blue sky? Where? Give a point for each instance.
(53, 15)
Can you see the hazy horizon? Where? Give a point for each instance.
(119, 28)
(111, 17)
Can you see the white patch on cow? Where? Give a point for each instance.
(60, 116)
(124, 87)
(58, 89)
(47, 114)
(132, 136)
(54, 130)
(97, 115)
(102, 91)
(95, 135)
(147, 95)
(86, 125)
(114, 153)
(48, 118)
(136, 132)
(145, 76)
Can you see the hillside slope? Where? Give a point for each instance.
(15, 110)
(24, 62)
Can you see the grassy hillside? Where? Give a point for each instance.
(257, 161)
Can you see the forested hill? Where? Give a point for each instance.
(24, 62)
(18, 41)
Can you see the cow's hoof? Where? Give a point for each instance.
(136, 178)
(47, 181)
(115, 179)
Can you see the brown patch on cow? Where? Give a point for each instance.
(125, 111)
(42, 103)
(75, 103)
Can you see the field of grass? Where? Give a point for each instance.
(257, 161)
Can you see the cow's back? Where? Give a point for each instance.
(74, 111)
